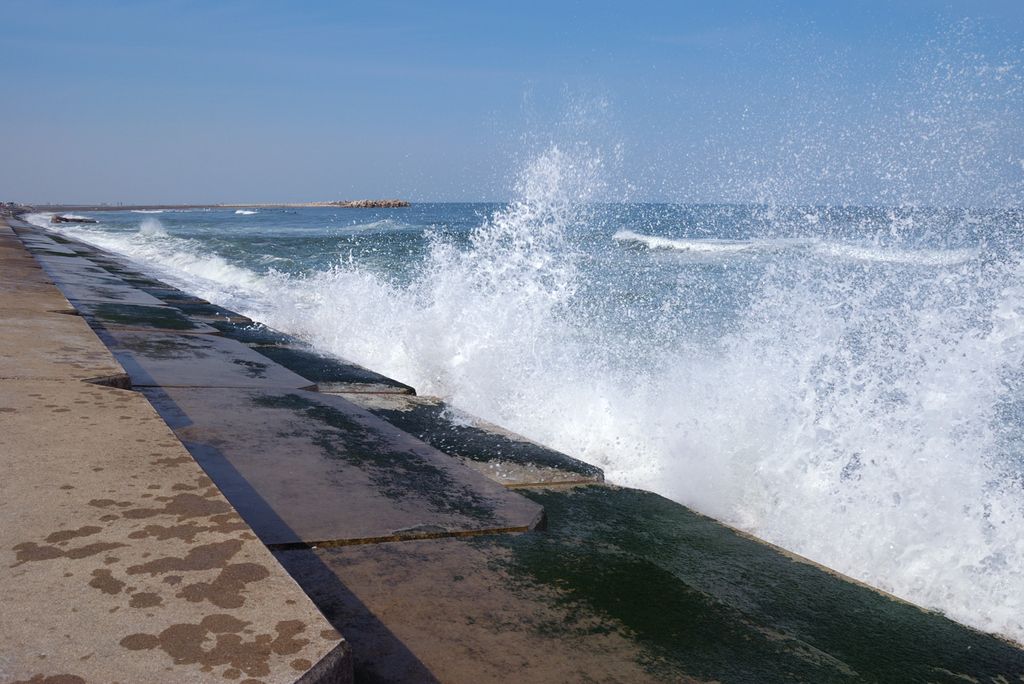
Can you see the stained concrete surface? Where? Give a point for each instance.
(122, 561)
(42, 345)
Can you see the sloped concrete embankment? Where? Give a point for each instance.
(446, 549)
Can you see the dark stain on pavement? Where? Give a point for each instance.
(184, 642)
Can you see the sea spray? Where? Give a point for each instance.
(152, 228)
(460, 327)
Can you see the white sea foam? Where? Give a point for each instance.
(152, 228)
(686, 245)
(247, 212)
(851, 252)
(147, 211)
(182, 262)
(922, 257)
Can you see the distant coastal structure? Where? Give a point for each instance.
(369, 204)
(70, 219)
(346, 204)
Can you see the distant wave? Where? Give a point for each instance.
(147, 211)
(887, 255)
(245, 211)
(850, 252)
(682, 245)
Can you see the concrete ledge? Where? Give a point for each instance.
(310, 469)
(496, 453)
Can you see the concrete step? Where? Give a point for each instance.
(310, 469)
(166, 359)
(499, 454)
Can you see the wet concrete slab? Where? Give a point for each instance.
(331, 375)
(44, 244)
(117, 292)
(174, 360)
(58, 265)
(304, 468)
(97, 288)
(127, 316)
(113, 293)
(120, 561)
(497, 453)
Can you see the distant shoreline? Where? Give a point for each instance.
(356, 204)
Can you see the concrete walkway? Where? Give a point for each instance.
(121, 561)
(444, 549)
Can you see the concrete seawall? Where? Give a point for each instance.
(189, 496)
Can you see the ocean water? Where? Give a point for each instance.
(847, 383)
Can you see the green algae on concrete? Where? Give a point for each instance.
(641, 559)
(626, 586)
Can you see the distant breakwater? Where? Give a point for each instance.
(346, 204)
(370, 204)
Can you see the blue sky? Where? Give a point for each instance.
(193, 102)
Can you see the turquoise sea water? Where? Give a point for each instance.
(844, 382)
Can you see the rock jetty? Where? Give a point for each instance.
(369, 204)
(57, 218)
